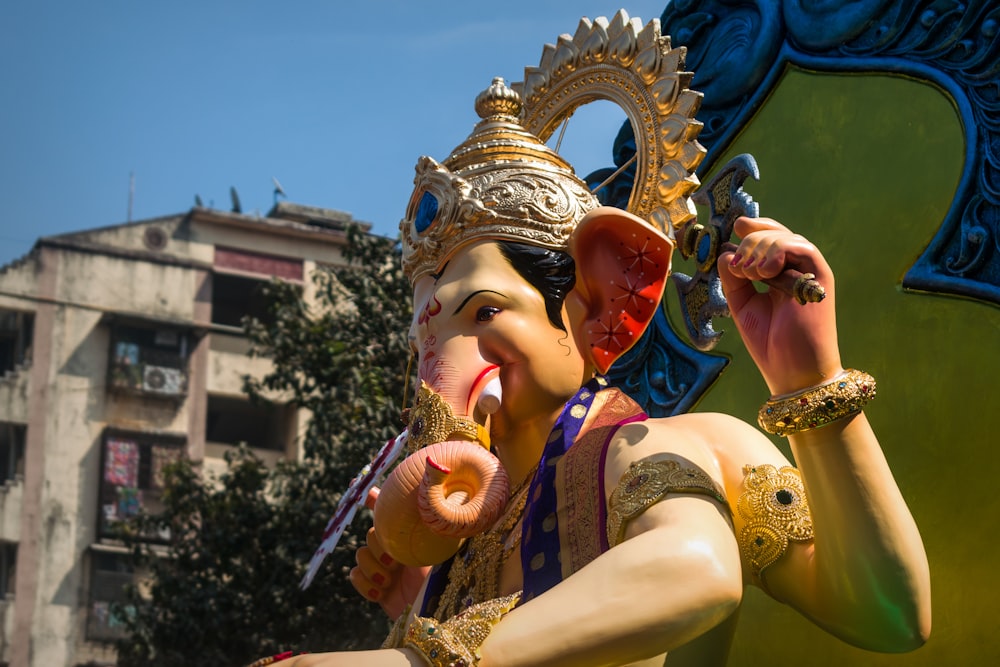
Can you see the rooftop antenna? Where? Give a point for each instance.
(235, 199)
(278, 190)
(131, 193)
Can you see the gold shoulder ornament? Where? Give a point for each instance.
(646, 483)
(776, 512)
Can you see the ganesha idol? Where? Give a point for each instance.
(565, 525)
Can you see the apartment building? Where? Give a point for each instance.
(120, 350)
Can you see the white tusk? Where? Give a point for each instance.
(491, 397)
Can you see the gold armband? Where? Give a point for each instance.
(775, 509)
(646, 483)
(818, 406)
(456, 642)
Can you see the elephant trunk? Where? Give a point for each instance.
(466, 500)
(437, 496)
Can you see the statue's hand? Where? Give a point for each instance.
(379, 578)
(794, 346)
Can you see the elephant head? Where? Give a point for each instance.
(485, 339)
(523, 288)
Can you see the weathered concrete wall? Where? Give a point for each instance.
(118, 284)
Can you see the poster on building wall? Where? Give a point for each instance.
(121, 465)
(129, 502)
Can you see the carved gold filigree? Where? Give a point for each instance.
(432, 420)
(501, 183)
(774, 506)
(646, 483)
(635, 67)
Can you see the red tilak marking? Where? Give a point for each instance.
(429, 310)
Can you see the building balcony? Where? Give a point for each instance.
(156, 378)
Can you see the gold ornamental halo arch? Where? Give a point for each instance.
(634, 67)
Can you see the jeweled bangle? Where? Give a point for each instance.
(456, 642)
(818, 406)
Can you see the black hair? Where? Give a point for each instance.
(551, 272)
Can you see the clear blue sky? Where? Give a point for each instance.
(335, 99)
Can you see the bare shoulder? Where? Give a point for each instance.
(684, 439)
(718, 444)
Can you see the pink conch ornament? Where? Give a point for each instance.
(436, 497)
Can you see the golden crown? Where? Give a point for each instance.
(501, 183)
(504, 183)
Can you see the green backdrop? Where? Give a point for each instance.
(866, 166)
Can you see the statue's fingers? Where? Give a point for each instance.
(365, 586)
(744, 226)
(379, 552)
(735, 284)
(372, 569)
(372, 497)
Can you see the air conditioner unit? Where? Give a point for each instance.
(164, 381)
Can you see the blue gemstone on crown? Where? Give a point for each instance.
(704, 247)
(426, 212)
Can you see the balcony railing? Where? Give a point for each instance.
(142, 370)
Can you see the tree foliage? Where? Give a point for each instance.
(226, 590)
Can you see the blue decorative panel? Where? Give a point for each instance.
(738, 52)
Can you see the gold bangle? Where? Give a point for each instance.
(818, 406)
(456, 642)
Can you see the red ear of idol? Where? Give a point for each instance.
(622, 264)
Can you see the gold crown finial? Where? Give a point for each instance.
(498, 100)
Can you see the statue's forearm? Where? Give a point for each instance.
(649, 594)
(867, 579)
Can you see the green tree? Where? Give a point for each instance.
(225, 590)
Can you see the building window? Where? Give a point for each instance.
(151, 361)
(236, 297)
(8, 568)
(132, 471)
(259, 424)
(110, 574)
(16, 330)
(11, 451)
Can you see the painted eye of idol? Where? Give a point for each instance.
(486, 313)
